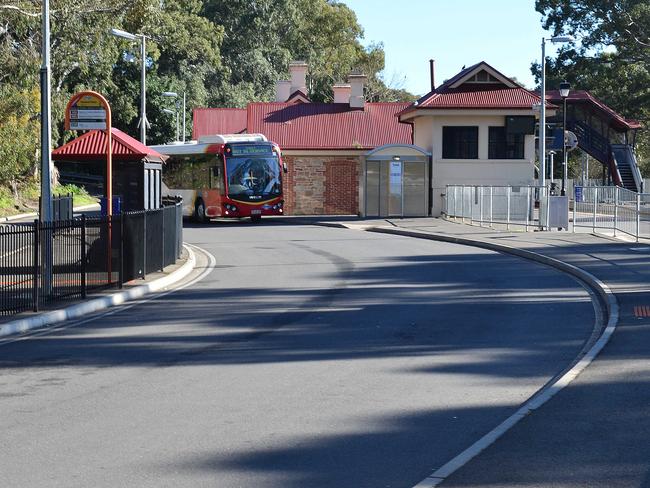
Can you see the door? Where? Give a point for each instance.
(395, 195)
(372, 189)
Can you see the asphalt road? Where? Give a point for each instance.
(308, 356)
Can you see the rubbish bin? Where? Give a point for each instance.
(578, 193)
(117, 205)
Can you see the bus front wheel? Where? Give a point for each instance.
(199, 212)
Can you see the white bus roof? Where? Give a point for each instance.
(201, 146)
(227, 138)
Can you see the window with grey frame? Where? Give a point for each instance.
(502, 145)
(460, 142)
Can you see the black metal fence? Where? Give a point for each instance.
(51, 261)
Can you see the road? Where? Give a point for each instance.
(308, 356)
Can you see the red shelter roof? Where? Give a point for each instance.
(210, 121)
(316, 125)
(91, 146)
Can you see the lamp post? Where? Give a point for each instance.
(173, 112)
(564, 93)
(45, 208)
(542, 114)
(175, 95)
(143, 87)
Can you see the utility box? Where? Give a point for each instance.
(558, 212)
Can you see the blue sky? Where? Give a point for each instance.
(505, 33)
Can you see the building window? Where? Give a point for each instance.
(505, 146)
(460, 142)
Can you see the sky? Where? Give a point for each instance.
(507, 34)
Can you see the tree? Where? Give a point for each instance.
(611, 58)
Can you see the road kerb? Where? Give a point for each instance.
(96, 304)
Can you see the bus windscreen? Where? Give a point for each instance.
(253, 178)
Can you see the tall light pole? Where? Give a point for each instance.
(172, 94)
(564, 93)
(45, 209)
(542, 114)
(143, 87)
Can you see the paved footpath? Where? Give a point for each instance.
(596, 432)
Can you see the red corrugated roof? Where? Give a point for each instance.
(211, 121)
(583, 96)
(329, 125)
(477, 96)
(490, 96)
(92, 145)
(315, 125)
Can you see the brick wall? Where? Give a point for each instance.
(321, 185)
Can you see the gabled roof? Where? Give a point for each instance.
(218, 121)
(323, 125)
(461, 92)
(581, 96)
(298, 97)
(91, 146)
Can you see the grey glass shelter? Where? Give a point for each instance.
(396, 182)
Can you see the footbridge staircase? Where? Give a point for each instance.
(604, 135)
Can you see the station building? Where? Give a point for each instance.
(392, 159)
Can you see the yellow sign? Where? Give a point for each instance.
(89, 101)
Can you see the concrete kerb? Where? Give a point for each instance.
(607, 300)
(97, 304)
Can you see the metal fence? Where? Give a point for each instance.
(496, 206)
(52, 261)
(612, 209)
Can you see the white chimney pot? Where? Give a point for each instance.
(282, 90)
(342, 93)
(298, 70)
(356, 81)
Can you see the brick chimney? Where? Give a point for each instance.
(342, 93)
(357, 80)
(298, 70)
(282, 90)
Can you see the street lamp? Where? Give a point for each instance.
(173, 112)
(175, 95)
(542, 114)
(564, 93)
(143, 87)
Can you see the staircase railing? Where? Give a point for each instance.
(596, 145)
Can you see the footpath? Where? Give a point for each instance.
(596, 431)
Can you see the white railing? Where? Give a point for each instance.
(497, 206)
(604, 209)
(612, 208)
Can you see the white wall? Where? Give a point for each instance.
(481, 171)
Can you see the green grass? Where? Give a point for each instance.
(80, 196)
(28, 193)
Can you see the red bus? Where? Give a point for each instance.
(225, 176)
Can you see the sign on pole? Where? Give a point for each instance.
(89, 110)
(86, 112)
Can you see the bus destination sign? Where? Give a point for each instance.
(249, 150)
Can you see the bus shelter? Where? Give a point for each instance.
(397, 182)
(137, 169)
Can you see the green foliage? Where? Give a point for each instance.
(217, 52)
(19, 133)
(611, 58)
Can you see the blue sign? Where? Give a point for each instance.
(578, 193)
